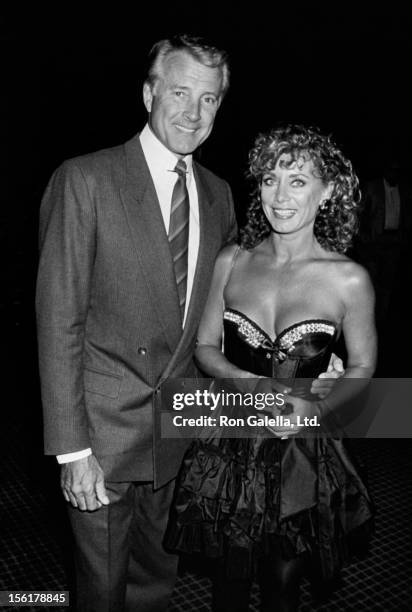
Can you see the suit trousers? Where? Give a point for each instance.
(121, 564)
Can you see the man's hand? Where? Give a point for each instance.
(323, 385)
(82, 483)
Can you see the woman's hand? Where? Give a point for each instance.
(325, 382)
(270, 385)
(304, 411)
(299, 413)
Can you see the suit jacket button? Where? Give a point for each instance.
(141, 350)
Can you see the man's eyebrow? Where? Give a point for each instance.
(187, 88)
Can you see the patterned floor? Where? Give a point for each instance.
(36, 541)
(35, 538)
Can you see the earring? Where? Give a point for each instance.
(323, 205)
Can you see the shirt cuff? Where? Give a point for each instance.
(68, 457)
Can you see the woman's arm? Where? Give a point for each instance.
(208, 352)
(358, 326)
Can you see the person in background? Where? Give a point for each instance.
(386, 231)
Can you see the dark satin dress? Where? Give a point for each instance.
(237, 498)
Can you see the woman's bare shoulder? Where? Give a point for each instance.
(227, 254)
(231, 255)
(225, 260)
(348, 272)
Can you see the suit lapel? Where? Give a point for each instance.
(210, 236)
(150, 240)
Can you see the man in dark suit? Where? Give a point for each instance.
(116, 317)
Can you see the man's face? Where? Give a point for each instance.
(183, 102)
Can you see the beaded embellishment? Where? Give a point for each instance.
(250, 333)
(288, 340)
(285, 341)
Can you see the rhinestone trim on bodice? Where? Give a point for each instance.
(286, 339)
(250, 333)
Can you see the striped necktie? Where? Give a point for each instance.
(179, 231)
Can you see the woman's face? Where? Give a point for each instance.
(292, 194)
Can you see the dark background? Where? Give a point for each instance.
(71, 84)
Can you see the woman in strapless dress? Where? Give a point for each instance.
(274, 507)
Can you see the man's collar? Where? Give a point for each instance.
(157, 155)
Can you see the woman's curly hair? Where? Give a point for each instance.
(337, 220)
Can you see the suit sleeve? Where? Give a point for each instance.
(67, 251)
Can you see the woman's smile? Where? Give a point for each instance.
(284, 213)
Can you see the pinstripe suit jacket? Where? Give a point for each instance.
(108, 316)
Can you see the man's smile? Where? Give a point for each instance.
(185, 129)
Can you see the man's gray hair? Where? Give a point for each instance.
(198, 48)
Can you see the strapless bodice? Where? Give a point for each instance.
(302, 350)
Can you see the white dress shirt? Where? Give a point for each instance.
(161, 164)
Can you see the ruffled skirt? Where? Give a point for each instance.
(235, 499)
